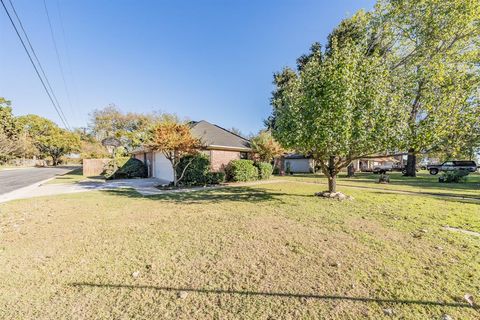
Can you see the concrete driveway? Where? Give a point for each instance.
(14, 179)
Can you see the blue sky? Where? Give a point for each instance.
(210, 60)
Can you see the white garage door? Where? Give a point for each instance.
(299, 165)
(162, 168)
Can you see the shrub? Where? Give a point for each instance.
(241, 170)
(215, 177)
(127, 168)
(276, 170)
(455, 176)
(197, 172)
(265, 170)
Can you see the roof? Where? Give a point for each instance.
(214, 136)
(296, 156)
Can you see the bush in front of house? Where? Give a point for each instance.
(241, 170)
(265, 170)
(215, 177)
(196, 172)
(127, 168)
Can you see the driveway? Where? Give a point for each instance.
(14, 179)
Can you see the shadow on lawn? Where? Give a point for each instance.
(240, 194)
(423, 180)
(273, 294)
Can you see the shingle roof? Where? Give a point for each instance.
(214, 136)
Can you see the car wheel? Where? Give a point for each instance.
(433, 171)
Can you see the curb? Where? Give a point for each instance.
(17, 194)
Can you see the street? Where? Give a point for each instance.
(11, 180)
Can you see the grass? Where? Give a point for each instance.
(267, 251)
(424, 183)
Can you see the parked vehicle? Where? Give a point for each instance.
(466, 165)
(382, 169)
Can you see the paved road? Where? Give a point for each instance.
(15, 179)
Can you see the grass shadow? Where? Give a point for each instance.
(228, 194)
(274, 294)
(423, 181)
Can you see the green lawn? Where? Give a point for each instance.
(423, 183)
(270, 252)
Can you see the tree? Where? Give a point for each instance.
(48, 138)
(435, 49)
(175, 141)
(10, 132)
(265, 146)
(338, 106)
(131, 128)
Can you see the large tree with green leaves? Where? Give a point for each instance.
(49, 139)
(434, 47)
(339, 105)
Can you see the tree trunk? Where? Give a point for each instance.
(350, 170)
(175, 181)
(332, 184)
(332, 175)
(411, 163)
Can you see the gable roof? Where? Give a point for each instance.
(214, 136)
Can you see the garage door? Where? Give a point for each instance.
(299, 165)
(162, 168)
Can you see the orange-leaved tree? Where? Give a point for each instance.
(175, 141)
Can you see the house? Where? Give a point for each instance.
(367, 165)
(220, 145)
(295, 163)
(298, 163)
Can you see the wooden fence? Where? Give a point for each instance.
(94, 167)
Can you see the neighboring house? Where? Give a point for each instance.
(221, 146)
(295, 163)
(303, 164)
(367, 165)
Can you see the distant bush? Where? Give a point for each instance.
(196, 173)
(241, 170)
(265, 170)
(127, 168)
(455, 176)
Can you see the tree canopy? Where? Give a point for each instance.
(175, 141)
(49, 139)
(339, 104)
(265, 146)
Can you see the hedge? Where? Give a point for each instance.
(197, 173)
(241, 170)
(127, 168)
(265, 170)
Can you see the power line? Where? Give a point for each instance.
(68, 59)
(58, 55)
(57, 109)
(38, 61)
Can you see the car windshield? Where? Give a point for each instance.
(448, 163)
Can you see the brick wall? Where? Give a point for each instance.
(219, 158)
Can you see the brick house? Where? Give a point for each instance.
(221, 146)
